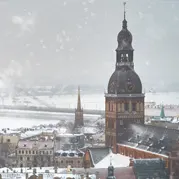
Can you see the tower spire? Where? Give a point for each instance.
(79, 99)
(124, 21)
(124, 10)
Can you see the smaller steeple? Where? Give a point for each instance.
(79, 100)
(78, 113)
(162, 113)
(111, 173)
(124, 22)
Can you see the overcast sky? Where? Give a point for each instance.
(74, 41)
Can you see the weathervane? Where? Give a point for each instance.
(124, 9)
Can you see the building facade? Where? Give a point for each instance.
(124, 100)
(125, 130)
(35, 153)
(65, 158)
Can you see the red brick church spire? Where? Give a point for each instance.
(79, 100)
(78, 112)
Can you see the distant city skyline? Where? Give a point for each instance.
(74, 42)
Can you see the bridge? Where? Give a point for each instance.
(50, 109)
(149, 112)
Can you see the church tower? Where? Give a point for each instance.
(124, 100)
(78, 112)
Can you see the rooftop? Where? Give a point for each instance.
(40, 145)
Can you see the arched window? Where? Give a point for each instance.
(126, 106)
(133, 106)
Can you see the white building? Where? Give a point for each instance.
(35, 153)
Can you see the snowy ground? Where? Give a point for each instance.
(16, 122)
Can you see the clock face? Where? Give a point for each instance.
(129, 85)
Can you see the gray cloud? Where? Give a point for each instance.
(74, 41)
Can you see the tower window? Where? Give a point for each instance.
(126, 106)
(121, 122)
(133, 106)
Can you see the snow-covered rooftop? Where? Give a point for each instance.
(36, 144)
(117, 160)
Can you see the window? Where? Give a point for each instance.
(133, 106)
(126, 106)
(33, 152)
(21, 158)
(23, 152)
(36, 152)
(78, 161)
(62, 161)
(50, 152)
(110, 106)
(47, 152)
(28, 158)
(19, 151)
(119, 107)
(121, 122)
(29, 152)
(8, 140)
(26, 152)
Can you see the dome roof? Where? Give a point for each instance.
(124, 39)
(124, 81)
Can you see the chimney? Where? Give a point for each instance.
(97, 175)
(26, 176)
(40, 176)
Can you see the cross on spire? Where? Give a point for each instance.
(124, 3)
(124, 21)
(110, 160)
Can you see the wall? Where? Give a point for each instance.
(63, 162)
(137, 154)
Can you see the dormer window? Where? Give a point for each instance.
(24, 145)
(133, 106)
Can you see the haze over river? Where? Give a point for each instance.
(90, 101)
